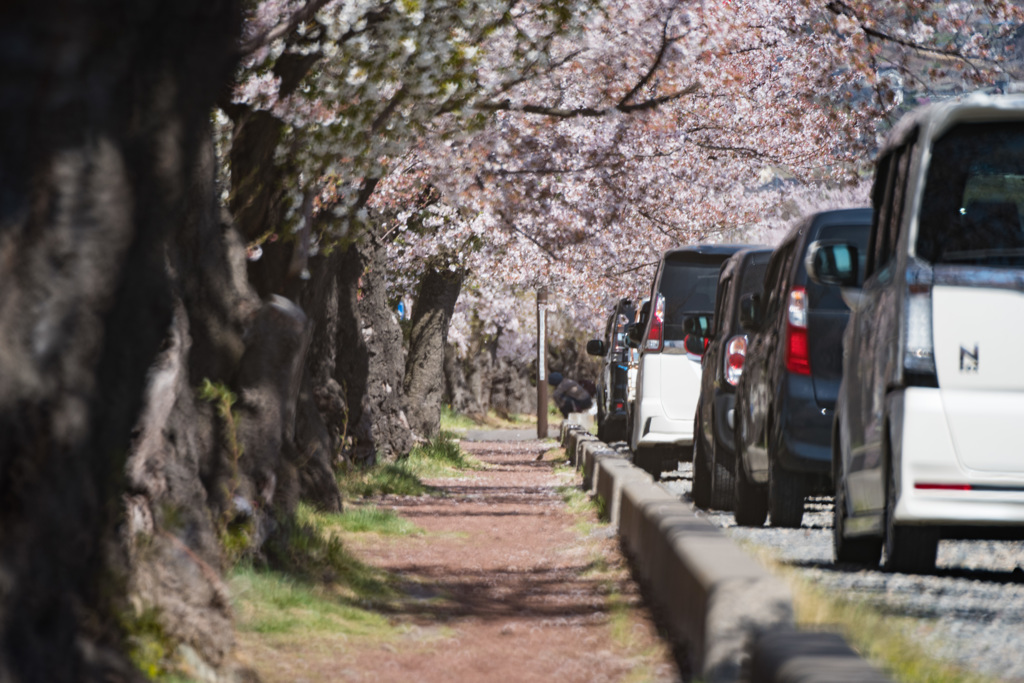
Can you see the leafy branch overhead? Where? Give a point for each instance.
(556, 137)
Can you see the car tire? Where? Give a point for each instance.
(785, 496)
(907, 549)
(723, 483)
(617, 433)
(751, 498)
(865, 550)
(649, 460)
(602, 430)
(701, 490)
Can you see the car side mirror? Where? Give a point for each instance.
(697, 325)
(595, 347)
(695, 344)
(833, 263)
(634, 335)
(750, 312)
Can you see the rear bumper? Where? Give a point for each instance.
(926, 458)
(658, 430)
(805, 429)
(668, 384)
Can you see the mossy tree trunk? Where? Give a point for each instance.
(424, 371)
(105, 115)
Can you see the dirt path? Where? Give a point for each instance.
(507, 584)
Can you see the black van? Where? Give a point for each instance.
(713, 447)
(613, 384)
(787, 394)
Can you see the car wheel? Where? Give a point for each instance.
(602, 430)
(866, 550)
(907, 549)
(723, 484)
(649, 460)
(785, 496)
(701, 491)
(751, 498)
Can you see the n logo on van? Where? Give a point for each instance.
(969, 359)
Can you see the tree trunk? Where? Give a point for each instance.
(424, 370)
(99, 146)
(457, 391)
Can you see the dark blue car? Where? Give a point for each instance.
(794, 363)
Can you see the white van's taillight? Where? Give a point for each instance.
(919, 352)
(735, 354)
(798, 359)
(656, 335)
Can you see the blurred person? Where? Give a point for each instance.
(569, 396)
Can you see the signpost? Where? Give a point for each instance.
(542, 370)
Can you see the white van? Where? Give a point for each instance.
(668, 375)
(926, 440)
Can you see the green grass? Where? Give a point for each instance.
(439, 457)
(460, 423)
(307, 547)
(886, 640)
(456, 422)
(371, 519)
(883, 639)
(270, 602)
(583, 508)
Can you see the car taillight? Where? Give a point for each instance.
(919, 352)
(735, 354)
(797, 352)
(656, 334)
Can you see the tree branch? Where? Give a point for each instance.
(631, 270)
(588, 112)
(665, 43)
(838, 7)
(286, 27)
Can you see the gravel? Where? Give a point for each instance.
(970, 611)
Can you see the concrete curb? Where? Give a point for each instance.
(583, 439)
(717, 601)
(611, 472)
(789, 656)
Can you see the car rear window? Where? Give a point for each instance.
(688, 288)
(971, 213)
(829, 296)
(753, 276)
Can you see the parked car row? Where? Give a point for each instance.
(872, 354)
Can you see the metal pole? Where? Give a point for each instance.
(542, 370)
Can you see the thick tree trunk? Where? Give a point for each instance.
(424, 370)
(457, 391)
(384, 400)
(373, 361)
(99, 145)
(176, 469)
(512, 392)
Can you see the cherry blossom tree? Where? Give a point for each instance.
(669, 122)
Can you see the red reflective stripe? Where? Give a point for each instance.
(928, 486)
